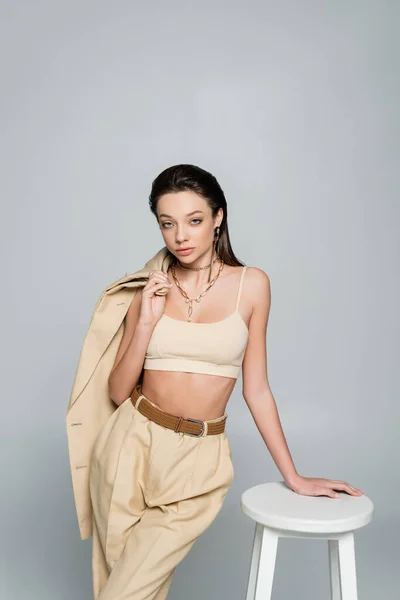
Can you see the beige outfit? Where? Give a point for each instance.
(153, 492)
(143, 491)
(215, 348)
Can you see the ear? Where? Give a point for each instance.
(219, 217)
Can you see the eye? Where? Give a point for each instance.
(166, 224)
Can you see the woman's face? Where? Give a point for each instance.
(186, 221)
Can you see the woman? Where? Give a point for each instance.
(162, 464)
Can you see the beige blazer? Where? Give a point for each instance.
(90, 404)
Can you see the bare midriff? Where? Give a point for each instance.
(193, 395)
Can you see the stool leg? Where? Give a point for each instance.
(347, 565)
(266, 566)
(255, 557)
(334, 572)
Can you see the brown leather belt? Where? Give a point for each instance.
(193, 427)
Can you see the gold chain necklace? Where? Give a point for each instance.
(198, 298)
(198, 268)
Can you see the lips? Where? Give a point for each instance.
(184, 249)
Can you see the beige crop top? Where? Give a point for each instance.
(211, 348)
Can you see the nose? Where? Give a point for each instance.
(181, 234)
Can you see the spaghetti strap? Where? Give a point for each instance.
(240, 288)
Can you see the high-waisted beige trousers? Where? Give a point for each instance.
(153, 492)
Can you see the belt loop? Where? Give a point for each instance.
(178, 424)
(138, 401)
(205, 428)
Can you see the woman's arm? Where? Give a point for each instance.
(262, 405)
(256, 389)
(129, 360)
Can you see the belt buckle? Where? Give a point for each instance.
(202, 427)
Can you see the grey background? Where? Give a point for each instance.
(294, 107)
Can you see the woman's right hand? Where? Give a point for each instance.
(152, 306)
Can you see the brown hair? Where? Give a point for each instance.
(189, 177)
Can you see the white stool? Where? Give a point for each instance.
(280, 512)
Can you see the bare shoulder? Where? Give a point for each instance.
(257, 281)
(257, 288)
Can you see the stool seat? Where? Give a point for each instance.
(279, 512)
(275, 505)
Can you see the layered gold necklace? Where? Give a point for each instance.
(188, 300)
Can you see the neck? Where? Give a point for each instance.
(197, 278)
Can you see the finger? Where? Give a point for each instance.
(338, 481)
(156, 286)
(159, 283)
(162, 273)
(158, 274)
(334, 481)
(343, 485)
(333, 494)
(326, 491)
(356, 489)
(159, 277)
(352, 490)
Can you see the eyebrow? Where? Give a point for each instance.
(188, 215)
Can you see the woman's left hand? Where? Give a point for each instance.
(316, 486)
